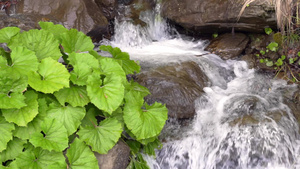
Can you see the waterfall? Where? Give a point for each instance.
(241, 121)
(242, 124)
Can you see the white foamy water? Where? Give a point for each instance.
(241, 121)
(242, 124)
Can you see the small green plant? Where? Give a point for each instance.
(54, 115)
(268, 31)
(287, 63)
(215, 35)
(273, 46)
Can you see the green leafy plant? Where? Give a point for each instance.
(215, 35)
(273, 46)
(54, 115)
(268, 31)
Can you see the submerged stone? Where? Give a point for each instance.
(176, 85)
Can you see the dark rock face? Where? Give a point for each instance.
(294, 104)
(108, 8)
(210, 16)
(83, 15)
(116, 158)
(228, 46)
(175, 85)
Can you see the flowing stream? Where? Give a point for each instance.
(241, 121)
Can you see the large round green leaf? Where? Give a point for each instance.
(75, 95)
(7, 33)
(56, 30)
(80, 156)
(52, 76)
(37, 158)
(6, 133)
(35, 125)
(52, 137)
(144, 123)
(103, 137)
(13, 149)
(112, 67)
(11, 89)
(42, 42)
(84, 64)
(75, 41)
(25, 114)
(69, 116)
(23, 62)
(105, 92)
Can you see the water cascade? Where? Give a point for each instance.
(241, 121)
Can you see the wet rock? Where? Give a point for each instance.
(108, 8)
(83, 15)
(132, 10)
(250, 59)
(294, 104)
(210, 16)
(176, 85)
(228, 46)
(116, 158)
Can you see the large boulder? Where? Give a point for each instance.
(83, 15)
(116, 158)
(108, 8)
(210, 16)
(229, 46)
(176, 85)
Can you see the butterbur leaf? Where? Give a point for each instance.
(103, 137)
(13, 149)
(35, 125)
(145, 123)
(80, 156)
(273, 46)
(111, 50)
(150, 148)
(37, 158)
(134, 146)
(105, 92)
(23, 62)
(6, 133)
(136, 89)
(42, 42)
(138, 163)
(69, 116)
(53, 136)
(269, 63)
(7, 33)
(52, 76)
(75, 95)
(75, 41)
(268, 31)
(25, 114)
(118, 114)
(148, 140)
(11, 92)
(90, 118)
(84, 64)
(112, 67)
(279, 62)
(56, 30)
(129, 66)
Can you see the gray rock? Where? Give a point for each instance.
(210, 16)
(229, 46)
(83, 15)
(176, 85)
(116, 158)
